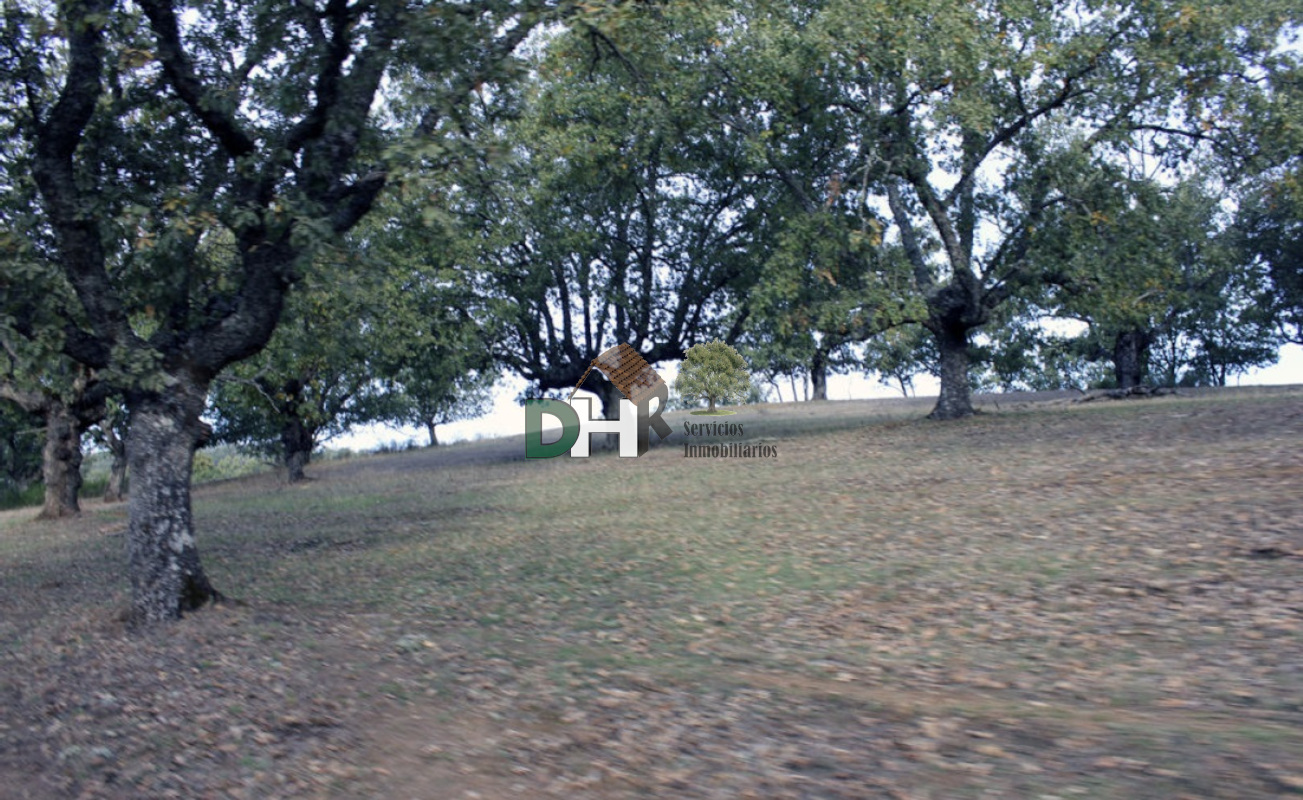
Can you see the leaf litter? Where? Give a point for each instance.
(1045, 602)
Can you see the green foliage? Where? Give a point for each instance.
(971, 120)
(827, 279)
(793, 177)
(1131, 255)
(21, 437)
(267, 156)
(618, 210)
(383, 328)
(25, 497)
(714, 372)
(722, 168)
(824, 287)
(433, 351)
(1020, 355)
(224, 463)
(1270, 229)
(898, 355)
(1225, 332)
(34, 295)
(316, 372)
(756, 393)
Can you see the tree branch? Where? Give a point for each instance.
(76, 229)
(31, 401)
(498, 52)
(181, 75)
(1007, 133)
(923, 277)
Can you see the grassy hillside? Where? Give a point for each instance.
(1048, 600)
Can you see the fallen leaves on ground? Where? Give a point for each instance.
(1096, 600)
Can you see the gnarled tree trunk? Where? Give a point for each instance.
(611, 397)
(61, 461)
(819, 376)
(297, 440)
(166, 576)
(956, 396)
(61, 454)
(1131, 358)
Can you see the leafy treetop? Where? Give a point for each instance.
(715, 372)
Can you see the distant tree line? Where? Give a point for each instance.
(265, 223)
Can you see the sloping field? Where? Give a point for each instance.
(1050, 600)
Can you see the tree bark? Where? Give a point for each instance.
(610, 397)
(65, 420)
(113, 493)
(61, 462)
(956, 396)
(434, 440)
(711, 402)
(1131, 357)
(297, 440)
(167, 579)
(819, 376)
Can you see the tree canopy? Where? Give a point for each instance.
(149, 128)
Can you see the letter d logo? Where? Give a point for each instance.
(569, 419)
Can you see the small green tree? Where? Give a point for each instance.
(316, 377)
(715, 372)
(897, 355)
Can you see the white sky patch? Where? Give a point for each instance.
(1068, 328)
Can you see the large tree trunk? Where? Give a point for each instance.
(297, 440)
(956, 396)
(610, 396)
(429, 427)
(166, 576)
(61, 462)
(1131, 358)
(710, 400)
(819, 376)
(113, 493)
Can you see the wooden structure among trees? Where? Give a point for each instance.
(630, 373)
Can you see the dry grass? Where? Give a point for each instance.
(1046, 600)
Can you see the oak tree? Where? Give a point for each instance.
(622, 214)
(1270, 237)
(956, 117)
(150, 126)
(35, 377)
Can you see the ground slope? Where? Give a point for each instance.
(1048, 600)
